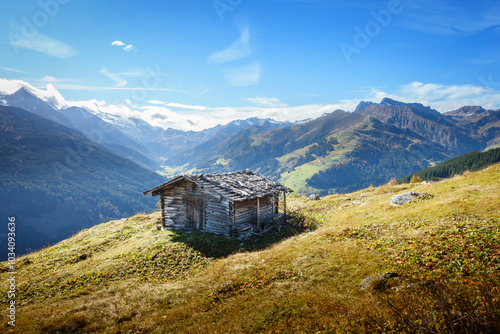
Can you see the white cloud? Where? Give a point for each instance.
(264, 101)
(49, 94)
(134, 73)
(11, 86)
(53, 96)
(185, 106)
(246, 75)
(13, 70)
(43, 44)
(192, 117)
(126, 47)
(178, 105)
(48, 78)
(69, 86)
(442, 97)
(155, 102)
(120, 82)
(238, 50)
(438, 96)
(427, 16)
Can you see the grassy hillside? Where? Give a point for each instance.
(138, 279)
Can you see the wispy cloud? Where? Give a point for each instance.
(43, 44)
(192, 117)
(134, 73)
(155, 102)
(185, 106)
(427, 16)
(67, 86)
(126, 47)
(13, 70)
(120, 82)
(246, 75)
(487, 57)
(237, 50)
(442, 97)
(49, 79)
(265, 101)
(240, 76)
(178, 105)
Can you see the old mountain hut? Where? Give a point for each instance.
(234, 204)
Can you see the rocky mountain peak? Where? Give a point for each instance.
(23, 91)
(467, 111)
(363, 105)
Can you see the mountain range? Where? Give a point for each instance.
(337, 152)
(65, 169)
(345, 151)
(56, 181)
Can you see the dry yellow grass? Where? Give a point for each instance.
(307, 283)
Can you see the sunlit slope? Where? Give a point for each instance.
(136, 278)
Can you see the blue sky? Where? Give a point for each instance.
(191, 64)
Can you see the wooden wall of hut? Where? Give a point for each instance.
(216, 211)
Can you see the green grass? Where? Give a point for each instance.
(297, 179)
(494, 146)
(445, 248)
(169, 171)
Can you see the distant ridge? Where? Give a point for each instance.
(472, 161)
(56, 181)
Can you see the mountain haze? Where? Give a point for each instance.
(86, 123)
(57, 181)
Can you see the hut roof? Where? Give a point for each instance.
(235, 186)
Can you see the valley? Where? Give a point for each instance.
(62, 161)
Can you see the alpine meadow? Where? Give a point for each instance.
(281, 166)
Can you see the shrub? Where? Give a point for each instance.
(392, 182)
(415, 179)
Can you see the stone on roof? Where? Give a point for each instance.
(235, 186)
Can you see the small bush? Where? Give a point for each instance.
(392, 182)
(415, 179)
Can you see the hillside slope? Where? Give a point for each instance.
(426, 122)
(305, 156)
(342, 151)
(56, 181)
(128, 276)
(85, 122)
(472, 161)
(484, 124)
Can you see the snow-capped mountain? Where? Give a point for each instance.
(85, 122)
(27, 100)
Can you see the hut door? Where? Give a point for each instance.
(195, 212)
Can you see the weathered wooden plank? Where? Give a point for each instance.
(217, 212)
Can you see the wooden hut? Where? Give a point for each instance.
(234, 204)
